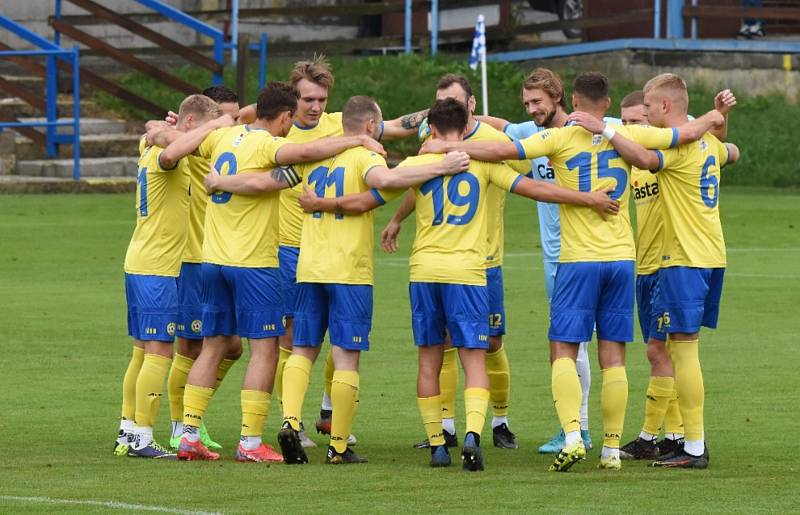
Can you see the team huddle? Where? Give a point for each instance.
(257, 223)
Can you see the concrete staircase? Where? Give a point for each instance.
(109, 147)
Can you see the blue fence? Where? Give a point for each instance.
(51, 52)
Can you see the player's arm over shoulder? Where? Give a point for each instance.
(497, 123)
(352, 204)
(733, 153)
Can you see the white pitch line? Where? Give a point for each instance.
(105, 504)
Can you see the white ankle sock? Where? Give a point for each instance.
(609, 452)
(177, 429)
(648, 437)
(250, 443)
(326, 402)
(143, 437)
(694, 447)
(449, 425)
(571, 438)
(497, 421)
(191, 433)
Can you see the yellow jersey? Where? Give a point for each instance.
(495, 196)
(291, 214)
(588, 162)
(649, 220)
(337, 248)
(689, 184)
(197, 168)
(241, 230)
(162, 211)
(451, 243)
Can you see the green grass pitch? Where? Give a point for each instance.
(64, 350)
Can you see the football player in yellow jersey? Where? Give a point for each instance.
(689, 285)
(595, 278)
(458, 87)
(313, 79)
(152, 264)
(661, 407)
(190, 309)
(661, 404)
(241, 285)
(448, 274)
(335, 273)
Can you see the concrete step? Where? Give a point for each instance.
(15, 107)
(31, 82)
(90, 167)
(88, 125)
(92, 145)
(21, 184)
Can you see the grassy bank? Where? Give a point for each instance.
(406, 83)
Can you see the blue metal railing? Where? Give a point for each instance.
(407, 26)
(216, 35)
(261, 48)
(51, 52)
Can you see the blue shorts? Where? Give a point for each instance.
(590, 294)
(646, 289)
(287, 262)
(243, 301)
(152, 307)
(550, 269)
(497, 310)
(190, 302)
(462, 309)
(688, 298)
(344, 309)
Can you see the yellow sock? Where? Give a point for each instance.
(149, 388)
(448, 383)
(567, 394)
(277, 389)
(195, 404)
(431, 410)
(344, 397)
(129, 384)
(296, 374)
(673, 422)
(689, 382)
(614, 400)
(499, 373)
(222, 370)
(659, 392)
(328, 372)
(176, 382)
(476, 402)
(255, 406)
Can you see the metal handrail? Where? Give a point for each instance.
(52, 123)
(193, 23)
(176, 15)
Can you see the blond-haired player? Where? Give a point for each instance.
(152, 265)
(689, 285)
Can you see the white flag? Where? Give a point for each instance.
(478, 43)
